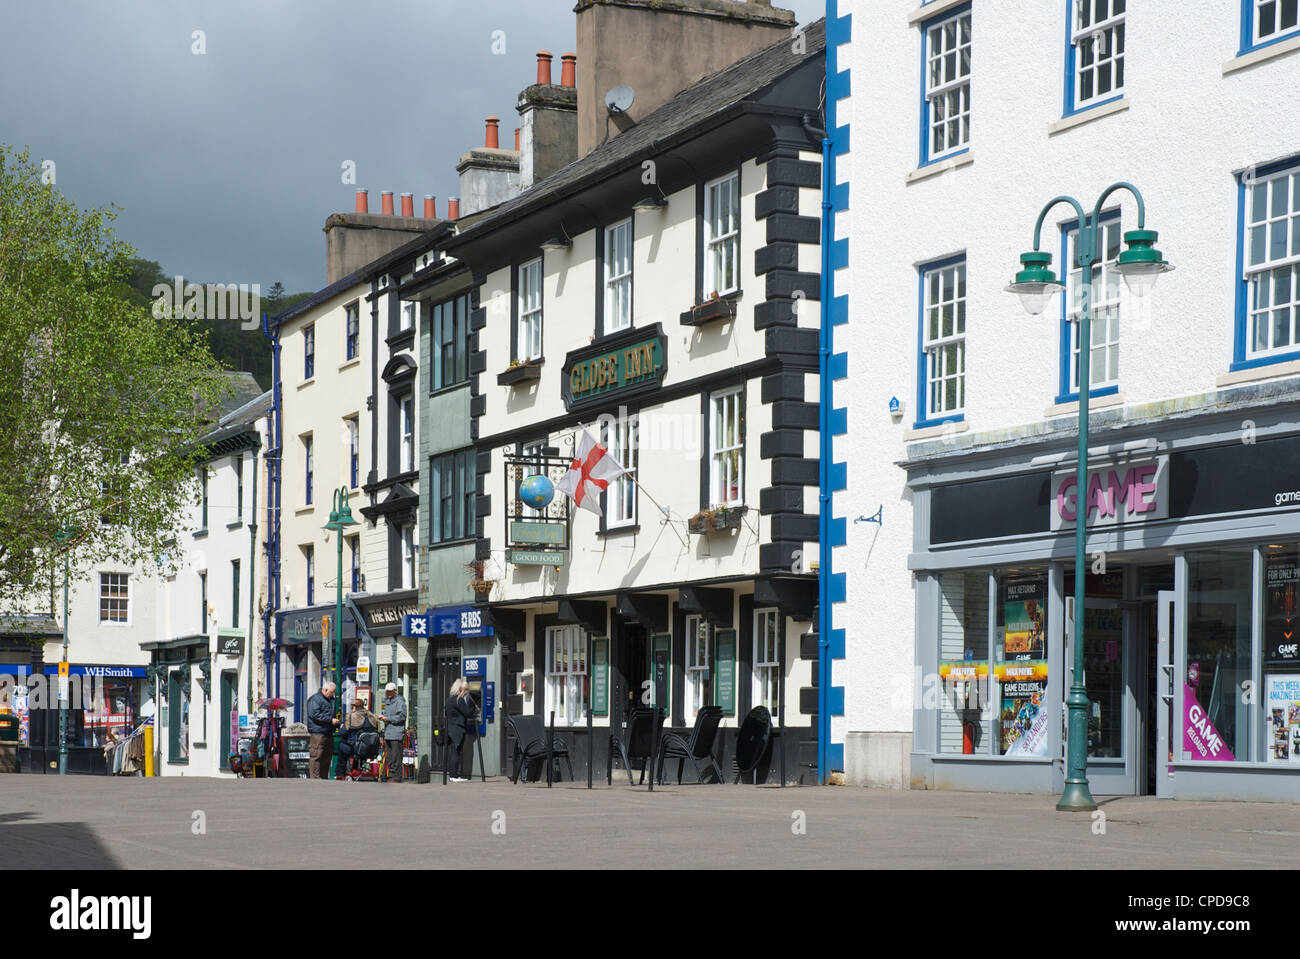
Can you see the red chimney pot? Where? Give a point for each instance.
(544, 67)
(492, 139)
(569, 70)
(363, 201)
(453, 208)
(430, 207)
(408, 205)
(386, 203)
(516, 139)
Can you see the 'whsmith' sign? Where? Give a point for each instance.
(629, 362)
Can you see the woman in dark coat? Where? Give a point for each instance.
(460, 719)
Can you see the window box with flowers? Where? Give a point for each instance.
(520, 371)
(716, 519)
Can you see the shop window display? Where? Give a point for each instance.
(1281, 656)
(964, 661)
(1216, 705)
(1020, 664)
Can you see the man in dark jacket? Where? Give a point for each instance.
(320, 725)
(394, 717)
(460, 713)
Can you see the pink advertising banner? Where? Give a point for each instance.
(1200, 738)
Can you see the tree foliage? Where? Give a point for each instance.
(101, 403)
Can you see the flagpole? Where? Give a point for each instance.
(665, 512)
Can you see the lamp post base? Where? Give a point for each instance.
(1076, 798)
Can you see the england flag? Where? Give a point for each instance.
(590, 474)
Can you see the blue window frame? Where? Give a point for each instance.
(1267, 268)
(941, 342)
(354, 544)
(309, 466)
(1265, 22)
(1106, 287)
(309, 552)
(945, 85)
(354, 456)
(309, 352)
(352, 323)
(1094, 53)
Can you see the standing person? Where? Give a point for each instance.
(460, 717)
(394, 716)
(320, 725)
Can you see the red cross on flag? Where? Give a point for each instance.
(590, 474)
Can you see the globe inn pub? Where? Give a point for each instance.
(629, 309)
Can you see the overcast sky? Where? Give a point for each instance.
(226, 164)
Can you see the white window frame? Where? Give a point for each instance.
(767, 659)
(1272, 281)
(122, 580)
(1257, 8)
(408, 556)
(351, 331)
(1105, 42)
(309, 351)
(722, 236)
(567, 652)
(406, 431)
(947, 85)
(621, 439)
(618, 276)
(727, 447)
(943, 339)
(407, 320)
(309, 472)
(354, 451)
(699, 659)
(530, 310)
(1106, 286)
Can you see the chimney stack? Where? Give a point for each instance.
(430, 207)
(408, 205)
(363, 201)
(548, 122)
(492, 137)
(453, 208)
(386, 203)
(658, 49)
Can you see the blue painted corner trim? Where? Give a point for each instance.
(833, 476)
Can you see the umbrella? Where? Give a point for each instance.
(274, 703)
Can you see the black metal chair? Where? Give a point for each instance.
(530, 745)
(644, 728)
(754, 745)
(699, 748)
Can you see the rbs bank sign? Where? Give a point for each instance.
(1117, 494)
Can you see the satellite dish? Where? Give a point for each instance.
(620, 99)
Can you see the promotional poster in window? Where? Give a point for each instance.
(1282, 665)
(1022, 676)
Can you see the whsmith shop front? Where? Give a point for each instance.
(1190, 619)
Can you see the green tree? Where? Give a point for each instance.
(100, 402)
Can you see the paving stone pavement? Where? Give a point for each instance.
(85, 822)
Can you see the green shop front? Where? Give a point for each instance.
(1190, 653)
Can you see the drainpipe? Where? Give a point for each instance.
(825, 400)
(274, 452)
(252, 572)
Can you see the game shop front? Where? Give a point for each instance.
(1191, 627)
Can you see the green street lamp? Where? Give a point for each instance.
(62, 537)
(1140, 265)
(340, 519)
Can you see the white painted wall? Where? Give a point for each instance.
(1187, 129)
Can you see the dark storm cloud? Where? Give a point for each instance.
(226, 163)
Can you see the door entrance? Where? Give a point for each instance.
(229, 715)
(1127, 649)
(635, 666)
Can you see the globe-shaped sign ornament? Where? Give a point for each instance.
(537, 491)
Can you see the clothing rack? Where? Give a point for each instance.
(126, 756)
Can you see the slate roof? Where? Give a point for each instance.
(694, 106)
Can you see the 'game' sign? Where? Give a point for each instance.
(1117, 495)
